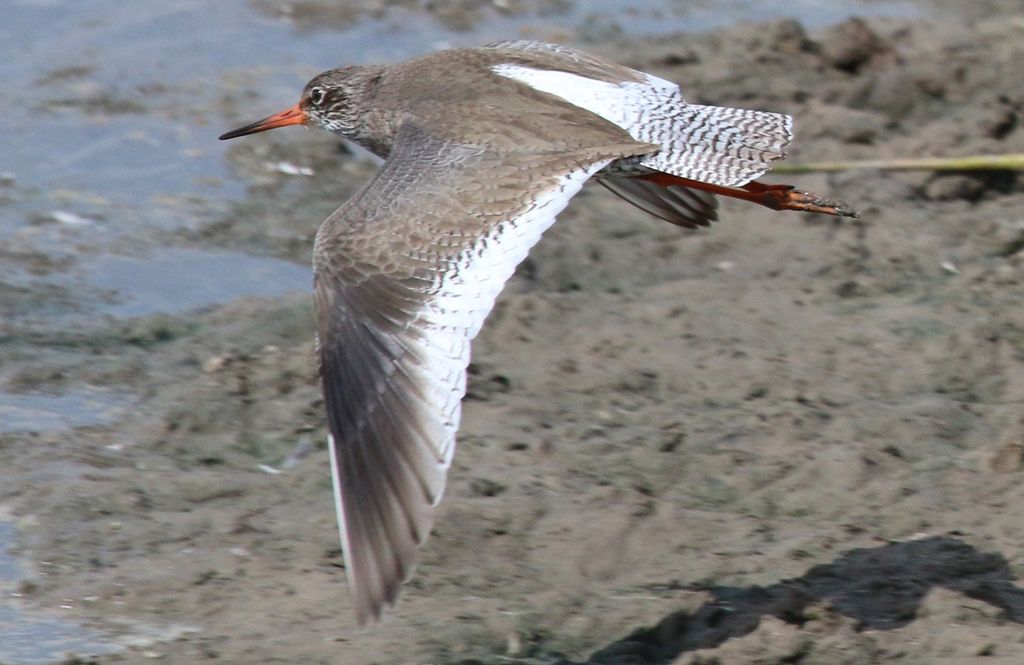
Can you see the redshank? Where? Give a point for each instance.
(483, 147)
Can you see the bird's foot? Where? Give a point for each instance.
(785, 197)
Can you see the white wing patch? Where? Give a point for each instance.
(717, 145)
(465, 297)
(339, 509)
(629, 105)
(467, 294)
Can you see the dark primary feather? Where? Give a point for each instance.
(682, 206)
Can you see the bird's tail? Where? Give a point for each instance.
(720, 145)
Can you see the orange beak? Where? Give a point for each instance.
(292, 116)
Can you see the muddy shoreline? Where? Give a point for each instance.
(784, 439)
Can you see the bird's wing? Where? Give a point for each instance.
(405, 274)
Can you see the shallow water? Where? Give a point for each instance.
(34, 412)
(33, 637)
(175, 280)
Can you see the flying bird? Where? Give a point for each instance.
(482, 148)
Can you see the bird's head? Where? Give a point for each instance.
(327, 102)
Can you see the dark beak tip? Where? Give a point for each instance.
(291, 116)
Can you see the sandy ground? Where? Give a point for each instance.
(786, 439)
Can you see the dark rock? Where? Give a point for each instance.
(954, 186)
(486, 487)
(852, 44)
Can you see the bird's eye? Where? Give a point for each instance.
(316, 96)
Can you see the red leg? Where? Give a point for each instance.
(776, 197)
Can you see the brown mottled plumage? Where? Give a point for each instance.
(483, 147)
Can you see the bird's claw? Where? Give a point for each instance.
(785, 197)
